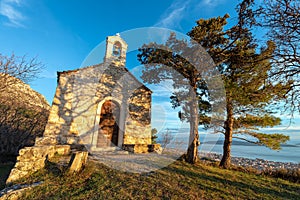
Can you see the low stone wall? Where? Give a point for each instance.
(31, 159)
(155, 148)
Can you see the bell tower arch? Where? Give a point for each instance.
(116, 49)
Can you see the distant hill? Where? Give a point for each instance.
(23, 115)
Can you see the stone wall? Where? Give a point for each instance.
(31, 159)
(143, 148)
(138, 122)
(80, 95)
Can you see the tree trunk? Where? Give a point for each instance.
(192, 151)
(226, 159)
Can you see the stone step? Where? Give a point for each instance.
(108, 151)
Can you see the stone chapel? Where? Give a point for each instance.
(99, 108)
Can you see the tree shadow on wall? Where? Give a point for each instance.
(79, 93)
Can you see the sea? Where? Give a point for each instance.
(213, 143)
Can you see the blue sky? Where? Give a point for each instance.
(62, 33)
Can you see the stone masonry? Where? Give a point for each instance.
(101, 107)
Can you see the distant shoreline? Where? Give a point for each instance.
(258, 164)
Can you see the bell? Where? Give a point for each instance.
(116, 51)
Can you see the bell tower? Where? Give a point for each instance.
(116, 49)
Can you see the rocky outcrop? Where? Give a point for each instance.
(16, 92)
(23, 115)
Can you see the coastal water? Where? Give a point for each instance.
(290, 151)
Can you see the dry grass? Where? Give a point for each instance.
(177, 181)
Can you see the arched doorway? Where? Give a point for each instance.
(108, 132)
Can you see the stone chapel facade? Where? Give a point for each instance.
(101, 106)
(97, 108)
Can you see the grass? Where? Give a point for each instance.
(177, 181)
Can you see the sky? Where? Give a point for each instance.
(62, 33)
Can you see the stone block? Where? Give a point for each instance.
(31, 166)
(35, 153)
(16, 174)
(136, 148)
(23, 151)
(49, 150)
(78, 161)
(47, 140)
(156, 148)
(68, 139)
(128, 147)
(62, 149)
(141, 148)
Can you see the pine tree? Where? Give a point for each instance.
(249, 89)
(185, 79)
(245, 72)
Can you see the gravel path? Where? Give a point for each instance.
(143, 163)
(135, 163)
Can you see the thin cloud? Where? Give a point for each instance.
(10, 10)
(211, 3)
(180, 10)
(173, 15)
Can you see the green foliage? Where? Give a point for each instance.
(252, 121)
(287, 174)
(272, 141)
(26, 112)
(249, 124)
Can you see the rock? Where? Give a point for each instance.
(30, 159)
(142, 148)
(62, 149)
(24, 114)
(78, 161)
(156, 148)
